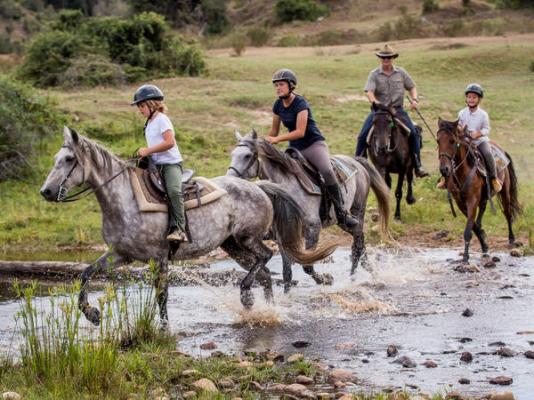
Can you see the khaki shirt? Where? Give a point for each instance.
(389, 89)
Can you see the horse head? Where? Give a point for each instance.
(383, 126)
(449, 136)
(68, 170)
(245, 162)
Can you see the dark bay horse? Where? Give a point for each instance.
(255, 157)
(390, 153)
(458, 164)
(237, 222)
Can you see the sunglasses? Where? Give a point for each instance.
(386, 57)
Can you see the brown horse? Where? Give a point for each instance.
(458, 164)
(389, 151)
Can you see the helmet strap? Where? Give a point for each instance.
(152, 112)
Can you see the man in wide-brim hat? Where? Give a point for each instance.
(386, 85)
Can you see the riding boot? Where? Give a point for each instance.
(419, 170)
(344, 219)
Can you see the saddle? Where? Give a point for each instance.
(501, 161)
(313, 183)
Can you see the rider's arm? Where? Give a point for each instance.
(275, 126)
(413, 95)
(302, 123)
(371, 97)
(168, 143)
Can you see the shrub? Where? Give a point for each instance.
(515, 4)
(92, 70)
(531, 67)
(430, 6)
(258, 36)
(25, 120)
(238, 44)
(10, 9)
(304, 10)
(215, 16)
(289, 41)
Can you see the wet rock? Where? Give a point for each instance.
(502, 396)
(516, 253)
(159, 394)
(226, 383)
(392, 351)
(304, 380)
(440, 235)
(206, 385)
(272, 355)
(505, 297)
(298, 390)
(406, 362)
(498, 344)
(277, 388)
(467, 312)
(529, 354)
(300, 344)
(430, 364)
(245, 364)
(341, 375)
(339, 395)
(268, 363)
(217, 354)
(466, 357)
(295, 357)
(365, 361)
(464, 381)
(339, 384)
(501, 380)
(505, 352)
(490, 264)
(495, 259)
(208, 345)
(346, 396)
(189, 394)
(466, 268)
(465, 340)
(190, 372)
(10, 396)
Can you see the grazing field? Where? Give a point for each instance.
(237, 94)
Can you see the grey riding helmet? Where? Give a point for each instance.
(287, 75)
(147, 92)
(474, 88)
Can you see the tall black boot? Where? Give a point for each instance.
(419, 170)
(344, 219)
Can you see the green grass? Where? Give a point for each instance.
(238, 94)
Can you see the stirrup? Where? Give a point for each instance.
(177, 236)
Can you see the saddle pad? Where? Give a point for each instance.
(342, 171)
(501, 162)
(149, 203)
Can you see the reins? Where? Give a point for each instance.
(251, 162)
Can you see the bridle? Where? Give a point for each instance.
(253, 159)
(62, 193)
(391, 125)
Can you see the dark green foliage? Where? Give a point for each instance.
(108, 50)
(10, 9)
(304, 10)
(258, 36)
(87, 7)
(430, 6)
(215, 16)
(25, 120)
(531, 66)
(515, 4)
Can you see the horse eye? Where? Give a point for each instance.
(247, 156)
(69, 159)
(451, 141)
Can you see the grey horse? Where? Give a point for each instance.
(255, 157)
(237, 222)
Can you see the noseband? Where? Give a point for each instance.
(251, 161)
(391, 125)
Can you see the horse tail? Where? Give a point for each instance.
(381, 191)
(288, 220)
(515, 207)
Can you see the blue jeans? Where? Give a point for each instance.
(413, 139)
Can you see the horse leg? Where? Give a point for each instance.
(107, 260)
(410, 199)
(358, 239)
(398, 195)
(287, 272)
(252, 255)
(311, 238)
(506, 208)
(468, 231)
(161, 283)
(477, 227)
(387, 178)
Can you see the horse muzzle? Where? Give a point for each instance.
(445, 171)
(50, 195)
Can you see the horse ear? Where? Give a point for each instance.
(254, 134)
(238, 136)
(70, 136)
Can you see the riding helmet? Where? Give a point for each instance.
(147, 92)
(287, 75)
(474, 88)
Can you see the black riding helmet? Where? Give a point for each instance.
(147, 92)
(474, 88)
(287, 75)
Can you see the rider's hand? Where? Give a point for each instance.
(414, 104)
(272, 139)
(143, 152)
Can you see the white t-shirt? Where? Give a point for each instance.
(154, 135)
(475, 121)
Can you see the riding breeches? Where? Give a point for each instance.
(172, 174)
(485, 149)
(317, 154)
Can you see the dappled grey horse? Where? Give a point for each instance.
(255, 157)
(237, 222)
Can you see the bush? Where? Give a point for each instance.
(289, 41)
(515, 4)
(25, 120)
(92, 70)
(303, 10)
(215, 16)
(430, 6)
(258, 36)
(238, 44)
(10, 9)
(531, 67)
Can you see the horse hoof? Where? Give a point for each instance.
(411, 200)
(247, 299)
(93, 315)
(164, 325)
(287, 288)
(328, 279)
(397, 218)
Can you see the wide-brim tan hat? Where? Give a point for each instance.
(387, 51)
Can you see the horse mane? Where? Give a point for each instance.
(98, 153)
(288, 165)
